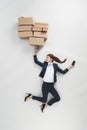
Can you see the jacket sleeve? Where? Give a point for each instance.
(62, 71)
(37, 61)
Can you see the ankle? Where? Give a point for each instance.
(46, 105)
(31, 96)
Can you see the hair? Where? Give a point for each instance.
(56, 58)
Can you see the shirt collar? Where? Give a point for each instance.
(50, 63)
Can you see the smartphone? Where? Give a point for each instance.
(73, 63)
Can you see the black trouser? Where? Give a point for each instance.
(46, 88)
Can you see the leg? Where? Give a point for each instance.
(55, 95)
(44, 92)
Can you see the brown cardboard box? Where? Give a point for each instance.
(40, 34)
(44, 29)
(39, 29)
(25, 21)
(36, 41)
(24, 28)
(25, 34)
(41, 25)
(36, 29)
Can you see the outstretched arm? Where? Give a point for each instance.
(35, 57)
(62, 71)
(65, 70)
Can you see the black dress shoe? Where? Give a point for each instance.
(42, 107)
(73, 63)
(27, 97)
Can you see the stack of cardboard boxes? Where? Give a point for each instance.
(35, 32)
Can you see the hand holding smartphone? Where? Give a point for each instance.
(73, 63)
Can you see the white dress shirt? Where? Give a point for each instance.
(49, 74)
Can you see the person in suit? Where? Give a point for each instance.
(48, 73)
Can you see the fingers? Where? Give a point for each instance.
(36, 49)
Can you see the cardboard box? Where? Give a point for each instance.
(25, 34)
(40, 34)
(25, 21)
(39, 29)
(36, 29)
(41, 25)
(36, 41)
(44, 29)
(24, 28)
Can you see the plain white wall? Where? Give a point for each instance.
(67, 38)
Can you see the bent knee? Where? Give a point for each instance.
(44, 100)
(58, 98)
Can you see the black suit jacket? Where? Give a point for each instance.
(44, 66)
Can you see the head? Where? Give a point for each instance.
(50, 58)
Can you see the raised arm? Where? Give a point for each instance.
(37, 61)
(35, 57)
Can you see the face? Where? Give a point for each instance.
(49, 59)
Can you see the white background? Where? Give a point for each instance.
(67, 38)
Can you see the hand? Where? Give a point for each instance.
(36, 49)
(72, 65)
